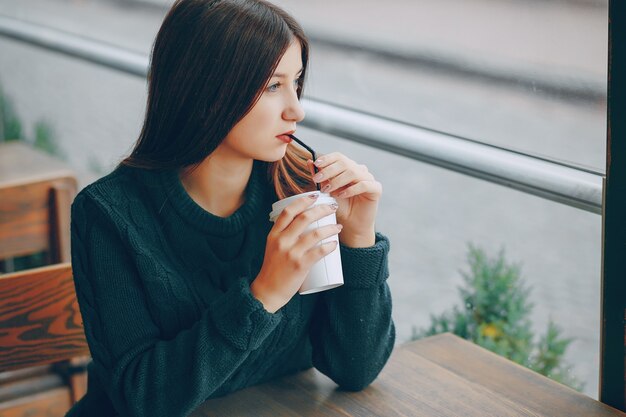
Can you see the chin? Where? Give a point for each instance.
(272, 158)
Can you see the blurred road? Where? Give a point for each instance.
(563, 43)
(429, 214)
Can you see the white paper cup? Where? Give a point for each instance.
(325, 273)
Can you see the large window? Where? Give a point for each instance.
(523, 74)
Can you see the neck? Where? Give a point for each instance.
(217, 184)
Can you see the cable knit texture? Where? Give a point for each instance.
(164, 291)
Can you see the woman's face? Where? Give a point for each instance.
(277, 111)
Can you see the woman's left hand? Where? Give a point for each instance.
(357, 192)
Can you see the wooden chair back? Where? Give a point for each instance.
(35, 217)
(40, 324)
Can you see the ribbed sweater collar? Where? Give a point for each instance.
(256, 197)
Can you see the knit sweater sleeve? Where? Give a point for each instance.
(143, 373)
(352, 332)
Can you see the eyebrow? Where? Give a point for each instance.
(281, 75)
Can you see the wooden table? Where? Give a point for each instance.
(22, 164)
(441, 375)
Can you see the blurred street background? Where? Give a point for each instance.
(528, 75)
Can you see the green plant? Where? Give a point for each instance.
(11, 128)
(495, 314)
(10, 125)
(45, 139)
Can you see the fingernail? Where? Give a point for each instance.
(314, 196)
(318, 162)
(340, 226)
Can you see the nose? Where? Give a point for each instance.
(293, 111)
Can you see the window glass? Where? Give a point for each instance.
(527, 75)
(433, 215)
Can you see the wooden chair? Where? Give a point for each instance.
(40, 324)
(35, 210)
(36, 191)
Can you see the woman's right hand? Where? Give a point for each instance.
(290, 252)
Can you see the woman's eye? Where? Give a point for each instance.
(272, 88)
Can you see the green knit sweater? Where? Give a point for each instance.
(163, 289)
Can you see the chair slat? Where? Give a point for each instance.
(34, 217)
(40, 321)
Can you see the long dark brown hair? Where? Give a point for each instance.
(210, 63)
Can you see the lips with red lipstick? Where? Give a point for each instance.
(285, 136)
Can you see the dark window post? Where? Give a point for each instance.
(613, 332)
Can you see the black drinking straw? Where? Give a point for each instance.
(312, 155)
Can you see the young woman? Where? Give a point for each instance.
(186, 289)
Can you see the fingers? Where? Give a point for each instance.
(345, 178)
(324, 160)
(311, 246)
(311, 167)
(299, 248)
(311, 239)
(337, 171)
(330, 171)
(374, 189)
(303, 220)
(318, 252)
(292, 210)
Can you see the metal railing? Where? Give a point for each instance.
(541, 177)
